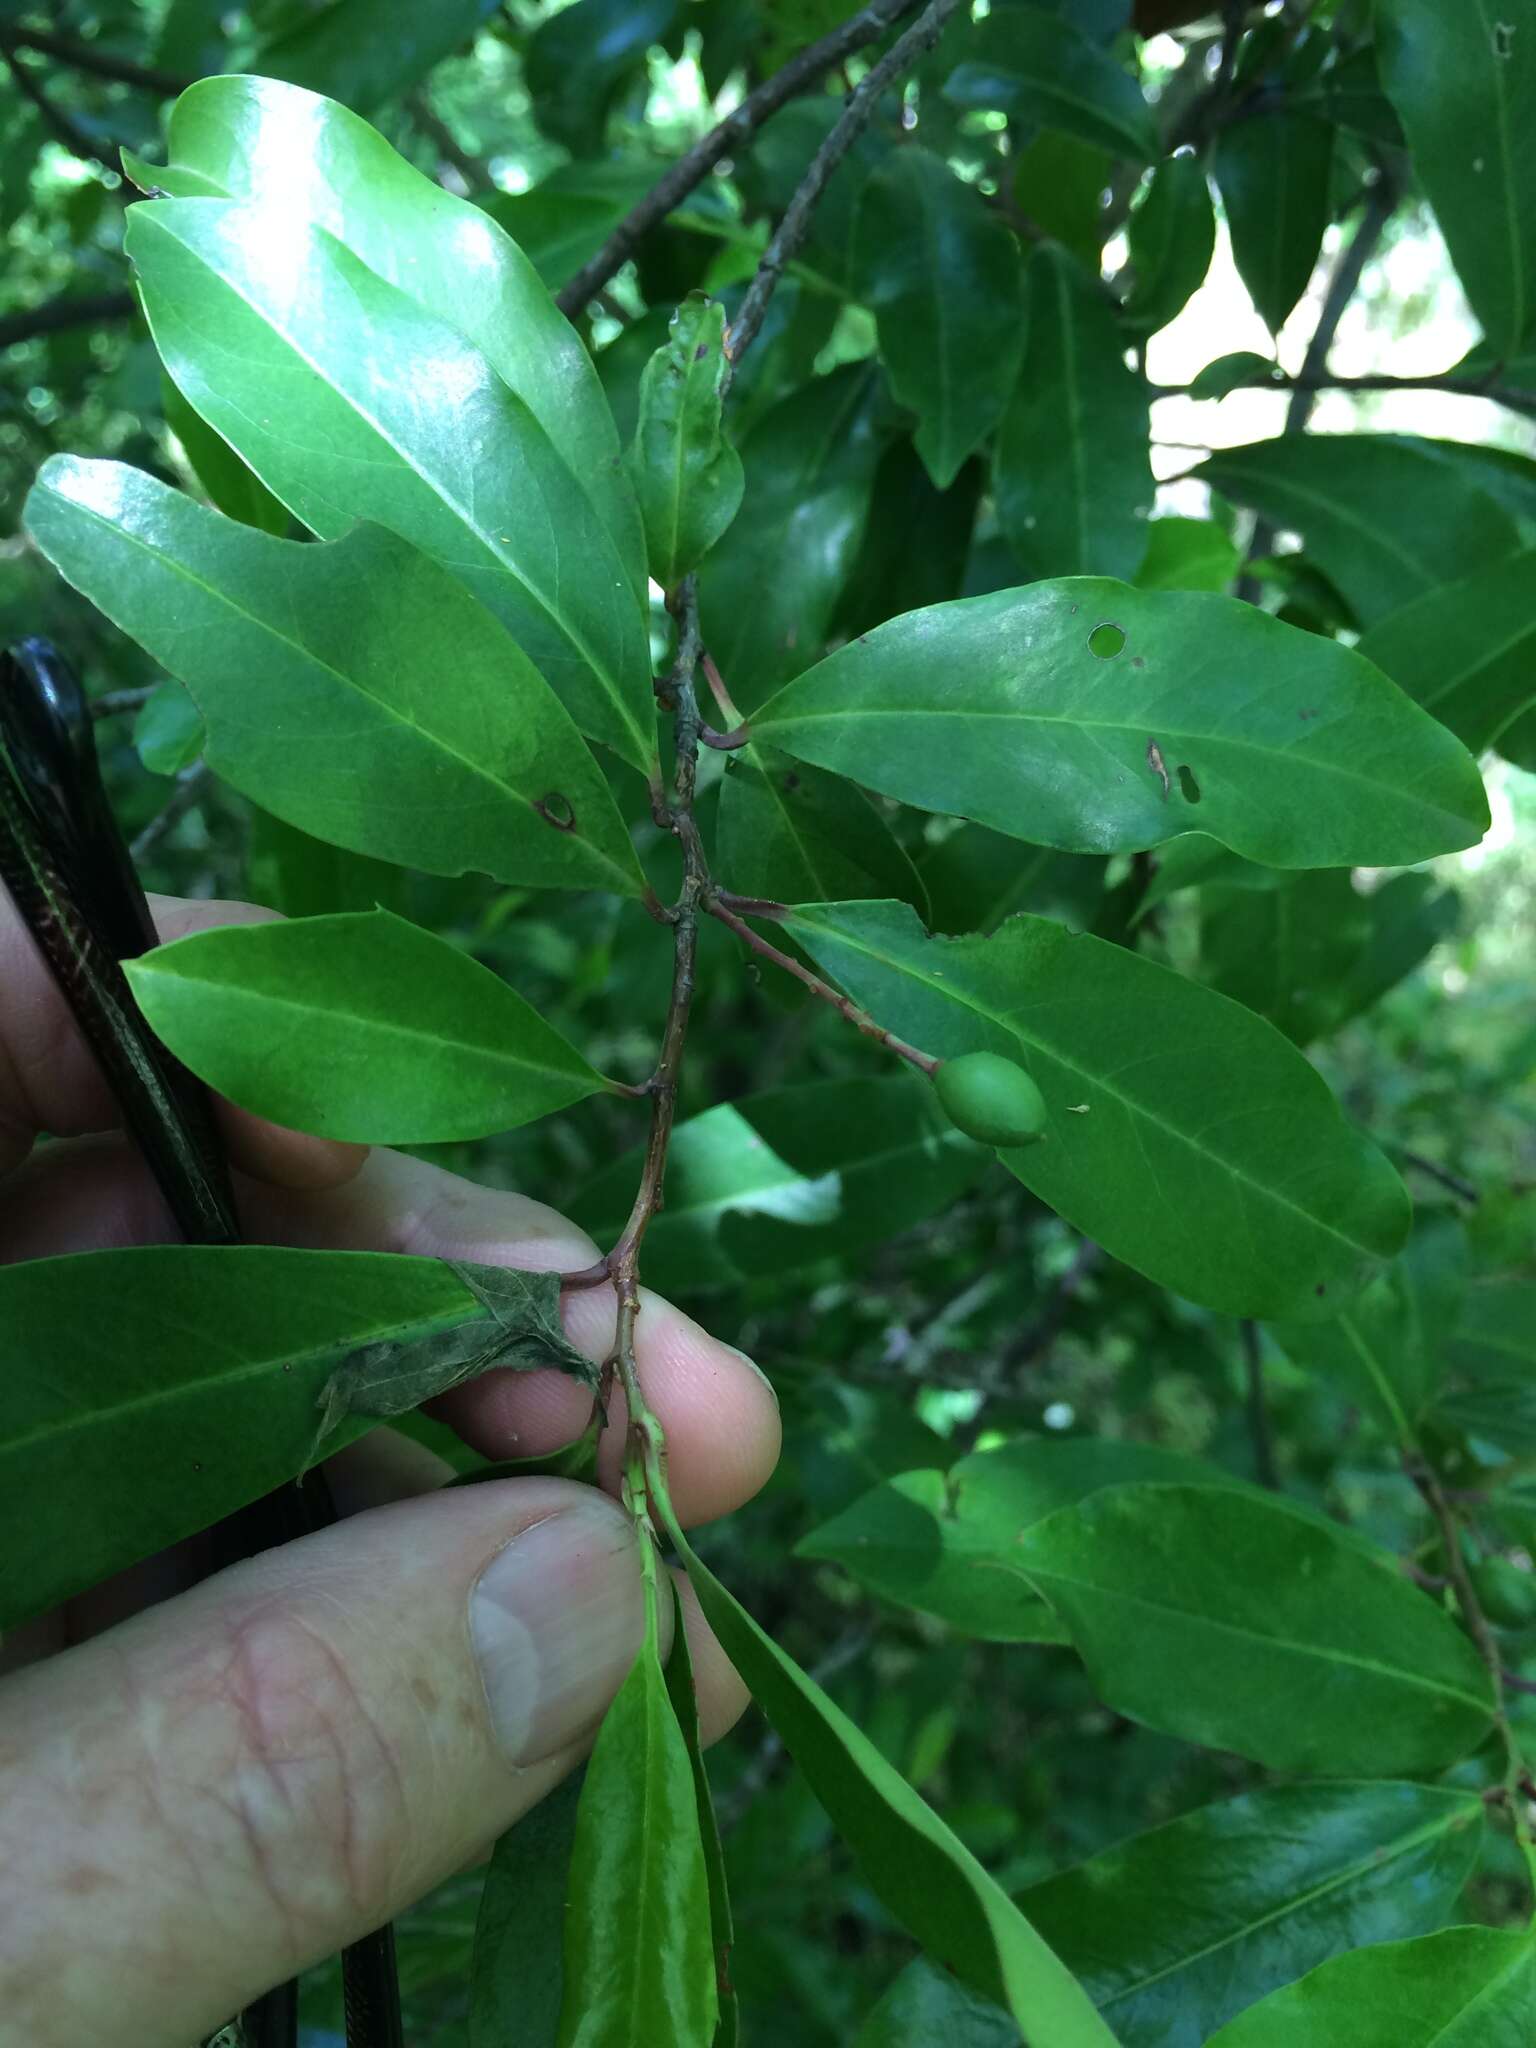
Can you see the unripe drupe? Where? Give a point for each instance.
(991, 1099)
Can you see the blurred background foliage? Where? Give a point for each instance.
(899, 1333)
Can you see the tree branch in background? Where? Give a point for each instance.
(798, 76)
(791, 230)
(95, 63)
(442, 138)
(1260, 1435)
(190, 785)
(1463, 1190)
(58, 123)
(58, 314)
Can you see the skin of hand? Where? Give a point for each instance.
(207, 1785)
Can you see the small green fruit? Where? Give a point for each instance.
(1506, 1594)
(991, 1099)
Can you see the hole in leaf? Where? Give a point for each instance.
(556, 810)
(1107, 640)
(1189, 789)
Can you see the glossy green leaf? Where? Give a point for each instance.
(352, 401)
(1084, 714)
(229, 483)
(360, 1026)
(687, 476)
(457, 754)
(768, 591)
(1467, 651)
(1468, 1987)
(946, 1542)
(368, 51)
(1462, 80)
(916, 1867)
(792, 833)
(1071, 467)
(1273, 173)
(1187, 1136)
(168, 732)
(1172, 238)
(682, 1693)
(189, 1386)
(942, 275)
(1175, 1930)
(257, 139)
(775, 1182)
(1040, 67)
(639, 1969)
(1383, 520)
(517, 1971)
(580, 58)
(1389, 1348)
(1210, 1614)
(926, 2006)
(1188, 554)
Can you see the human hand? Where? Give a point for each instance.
(205, 1787)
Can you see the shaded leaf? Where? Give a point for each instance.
(229, 483)
(1273, 172)
(1284, 952)
(1186, 1136)
(916, 542)
(1071, 466)
(1467, 651)
(368, 51)
(688, 477)
(925, 2006)
(976, 878)
(790, 833)
(457, 754)
(1060, 185)
(1175, 1930)
(168, 732)
(1172, 237)
(1039, 66)
(360, 1026)
(1210, 1615)
(1083, 714)
(1468, 1987)
(517, 1972)
(1188, 554)
(685, 1705)
(580, 59)
(942, 276)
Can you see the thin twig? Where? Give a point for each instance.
(724, 906)
(850, 125)
(1513, 396)
(65, 130)
(94, 62)
(475, 174)
(58, 314)
(119, 703)
(798, 76)
(1260, 1435)
(1463, 1190)
(190, 785)
(846, 1650)
(1517, 1772)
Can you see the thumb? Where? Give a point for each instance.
(230, 1787)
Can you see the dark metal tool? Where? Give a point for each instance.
(66, 866)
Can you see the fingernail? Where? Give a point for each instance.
(752, 1366)
(556, 1619)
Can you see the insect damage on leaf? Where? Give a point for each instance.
(516, 1325)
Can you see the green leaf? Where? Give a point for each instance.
(639, 1967)
(1187, 1137)
(920, 1872)
(517, 1973)
(1071, 467)
(458, 755)
(1285, 952)
(1188, 554)
(810, 461)
(1234, 373)
(189, 1386)
(1273, 173)
(168, 732)
(1467, 651)
(1172, 237)
(687, 475)
(367, 51)
(976, 878)
(228, 482)
(946, 1543)
(917, 541)
(1462, 80)
(360, 1026)
(580, 59)
(1209, 1614)
(1086, 715)
(1467, 1987)
(1039, 67)
(926, 2006)
(1389, 1347)
(1175, 1930)
(941, 273)
(774, 1182)
(683, 1696)
(561, 222)
(302, 877)
(1383, 520)
(257, 139)
(789, 832)
(1060, 184)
